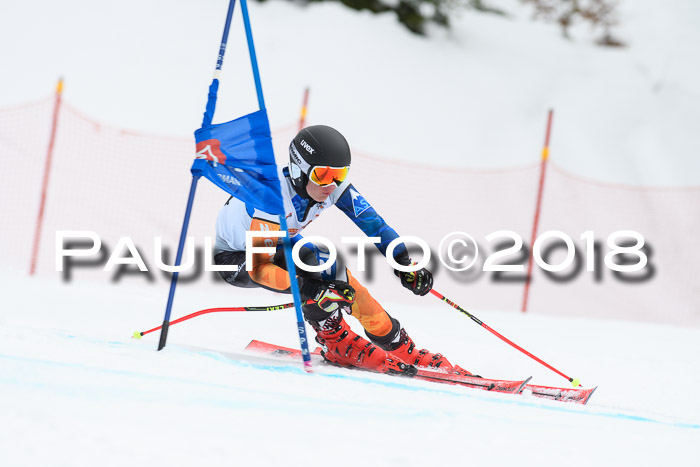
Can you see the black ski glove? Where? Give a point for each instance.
(419, 282)
(328, 295)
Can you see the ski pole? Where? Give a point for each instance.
(138, 334)
(574, 381)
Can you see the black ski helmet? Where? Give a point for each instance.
(316, 145)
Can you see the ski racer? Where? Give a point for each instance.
(315, 180)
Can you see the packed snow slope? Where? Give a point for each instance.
(76, 390)
(473, 96)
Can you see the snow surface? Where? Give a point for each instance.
(474, 96)
(76, 390)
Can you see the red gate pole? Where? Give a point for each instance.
(45, 182)
(538, 207)
(302, 117)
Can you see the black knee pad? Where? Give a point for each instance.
(239, 277)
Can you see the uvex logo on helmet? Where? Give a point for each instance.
(306, 146)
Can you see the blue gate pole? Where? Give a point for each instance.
(214, 86)
(251, 50)
(178, 260)
(224, 38)
(208, 116)
(291, 268)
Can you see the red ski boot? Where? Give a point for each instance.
(405, 349)
(342, 346)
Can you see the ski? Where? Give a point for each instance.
(577, 396)
(493, 385)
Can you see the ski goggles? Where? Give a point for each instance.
(324, 176)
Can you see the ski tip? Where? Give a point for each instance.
(255, 344)
(589, 395)
(522, 386)
(136, 335)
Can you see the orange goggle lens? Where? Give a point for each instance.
(323, 176)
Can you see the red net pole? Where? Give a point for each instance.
(538, 207)
(302, 117)
(45, 182)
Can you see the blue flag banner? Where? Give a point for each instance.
(237, 157)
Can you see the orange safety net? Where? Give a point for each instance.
(121, 183)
